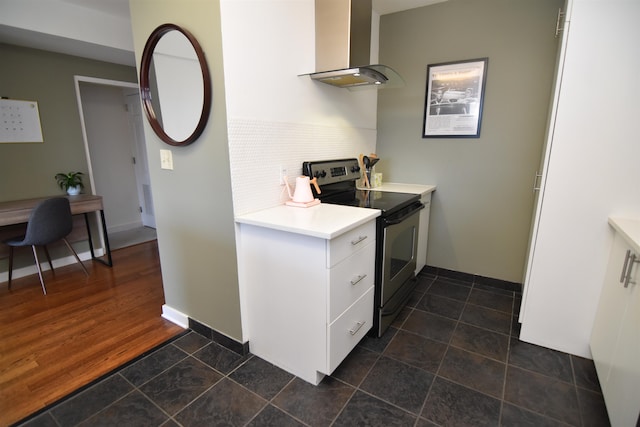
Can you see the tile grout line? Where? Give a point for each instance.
(506, 363)
(356, 387)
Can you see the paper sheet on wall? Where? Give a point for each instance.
(19, 121)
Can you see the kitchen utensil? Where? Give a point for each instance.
(364, 171)
(369, 163)
(302, 195)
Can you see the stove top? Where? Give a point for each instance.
(337, 181)
(386, 201)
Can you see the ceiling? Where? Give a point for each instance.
(384, 7)
(120, 9)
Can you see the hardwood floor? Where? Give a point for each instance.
(82, 329)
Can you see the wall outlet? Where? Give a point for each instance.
(283, 174)
(166, 159)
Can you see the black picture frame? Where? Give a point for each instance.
(454, 99)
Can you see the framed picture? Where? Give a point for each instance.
(453, 102)
(19, 121)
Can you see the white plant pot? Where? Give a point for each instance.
(73, 191)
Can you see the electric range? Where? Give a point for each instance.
(396, 232)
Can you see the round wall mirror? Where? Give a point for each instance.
(175, 85)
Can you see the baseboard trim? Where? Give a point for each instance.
(124, 227)
(474, 278)
(184, 321)
(225, 341)
(175, 316)
(58, 262)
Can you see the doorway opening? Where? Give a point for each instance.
(115, 148)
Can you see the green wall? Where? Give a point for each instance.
(193, 203)
(482, 209)
(27, 170)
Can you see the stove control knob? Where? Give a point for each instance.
(355, 168)
(320, 174)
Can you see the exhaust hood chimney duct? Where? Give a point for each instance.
(343, 46)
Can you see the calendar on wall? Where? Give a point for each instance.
(19, 121)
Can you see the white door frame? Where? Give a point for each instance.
(141, 163)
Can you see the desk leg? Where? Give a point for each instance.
(106, 238)
(109, 261)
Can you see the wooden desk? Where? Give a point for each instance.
(18, 211)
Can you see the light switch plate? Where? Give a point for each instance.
(166, 159)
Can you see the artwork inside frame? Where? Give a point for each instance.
(19, 122)
(454, 98)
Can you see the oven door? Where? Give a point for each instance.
(399, 248)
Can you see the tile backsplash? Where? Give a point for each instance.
(259, 149)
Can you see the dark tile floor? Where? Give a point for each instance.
(452, 358)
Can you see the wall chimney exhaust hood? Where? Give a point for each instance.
(343, 47)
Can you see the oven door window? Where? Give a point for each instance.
(399, 257)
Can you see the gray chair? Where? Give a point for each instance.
(49, 222)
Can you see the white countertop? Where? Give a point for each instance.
(325, 220)
(629, 229)
(403, 188)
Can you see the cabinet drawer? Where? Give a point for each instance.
(350, 242)
(348, 330)
(350, 279)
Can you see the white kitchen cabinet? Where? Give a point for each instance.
(591, 172)
(423, 232)
(308, 298)
(615, 339)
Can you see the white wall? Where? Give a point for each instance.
(275, 116)
(83, 30)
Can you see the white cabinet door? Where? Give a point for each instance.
(615, 340)
(540, 178)
(622, 395)
(592, 173)
(423, 233)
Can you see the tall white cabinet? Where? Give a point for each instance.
(591, 171)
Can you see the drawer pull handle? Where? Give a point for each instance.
(360, 239)
(627, 280)
(359, 279)
(624, 267)
(536, 187)
(357, 328)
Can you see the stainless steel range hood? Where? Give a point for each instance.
(343, 47)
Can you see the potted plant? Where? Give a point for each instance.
(71, 182)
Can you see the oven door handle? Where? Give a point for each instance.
(393, 220)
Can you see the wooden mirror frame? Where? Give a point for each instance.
(145, 88)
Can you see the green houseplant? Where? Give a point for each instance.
(71, 182)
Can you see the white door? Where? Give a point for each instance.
(541, 174)
(141, 165)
